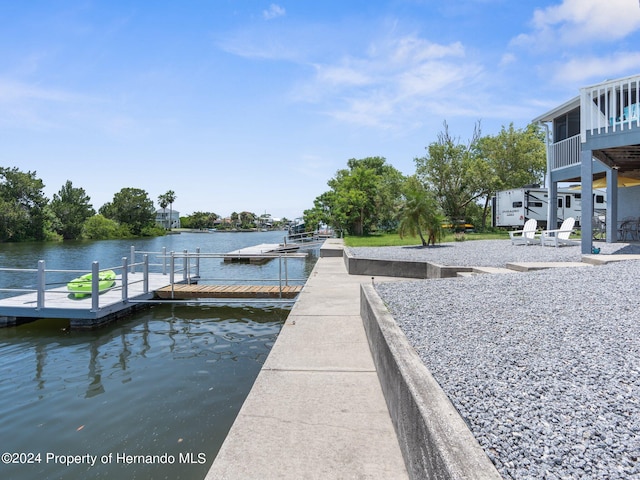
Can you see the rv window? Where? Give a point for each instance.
(567, 201)
(535, 204)
(517, 204)
(559, 203)
(577, 196)
(599, 198)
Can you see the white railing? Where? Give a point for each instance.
(610, 106)
(565, 153)
(43, 285)
(180, 267)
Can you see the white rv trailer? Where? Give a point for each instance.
(512, 208)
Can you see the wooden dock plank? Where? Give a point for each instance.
(184, 292)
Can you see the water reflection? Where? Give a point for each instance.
(168, 380)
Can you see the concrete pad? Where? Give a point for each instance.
(332, 247)
(326, 302)
(604, 259)
(492, 270)
(465, 274)
(531, 266)
(311, 425)
(327, 343)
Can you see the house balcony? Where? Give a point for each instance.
(565, 153)
(605, 119)
(610, 107)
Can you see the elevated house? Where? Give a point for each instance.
(596, 137)
(168, 218)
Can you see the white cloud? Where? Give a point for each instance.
(508, 59)
(397, 81)
(576, 22)
(341, 75)
(581, 70)
(274, 11)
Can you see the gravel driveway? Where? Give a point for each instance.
(543, 366)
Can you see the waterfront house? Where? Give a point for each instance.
(596, 137)
(168, 218)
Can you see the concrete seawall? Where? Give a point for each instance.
(435, 440)
(399, 268)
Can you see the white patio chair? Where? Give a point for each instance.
(559, 237)
(526, 236)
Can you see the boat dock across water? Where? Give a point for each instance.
(175, 279)
(260, 254)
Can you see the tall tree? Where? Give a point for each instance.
(22, 206)
(361, 197)
(449, 170)
(163, 202)
(512, 158)
(72, 208)
(201, 220)
(131, 207)
(420, 213)
(170, 197)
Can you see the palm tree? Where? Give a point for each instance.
(170, 197)
(163, 202)
(420, 213)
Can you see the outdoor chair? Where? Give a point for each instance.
(559, 237)
(526, 236)
(628, 228)
(599, 228)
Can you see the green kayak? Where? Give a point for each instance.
(81, 286)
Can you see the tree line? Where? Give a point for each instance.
(26, 214)
(453, 183)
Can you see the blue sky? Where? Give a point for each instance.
(254, 105)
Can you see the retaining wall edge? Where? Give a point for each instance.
(434, 439)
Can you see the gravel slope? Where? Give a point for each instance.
(487, 253)
(544, 366)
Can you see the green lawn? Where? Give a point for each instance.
(393, 239)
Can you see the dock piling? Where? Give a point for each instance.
(132, 256)
(145, 275)
(95, 288)
(41, 284)
(125, 279)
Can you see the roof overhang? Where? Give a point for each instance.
(558, 111)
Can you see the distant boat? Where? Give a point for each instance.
(81, 286)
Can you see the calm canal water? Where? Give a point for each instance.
(149, 397)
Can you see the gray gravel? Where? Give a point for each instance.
(487, 253)
(543, 366)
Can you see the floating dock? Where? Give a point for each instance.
(260, 254)
(185, 292)
(59, 303)
(181, 281)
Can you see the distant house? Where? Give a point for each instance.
(168, 218)
(596, 137)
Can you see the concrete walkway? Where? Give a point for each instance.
(316, 410)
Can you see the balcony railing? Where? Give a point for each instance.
(565, 153)
(610, 106)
